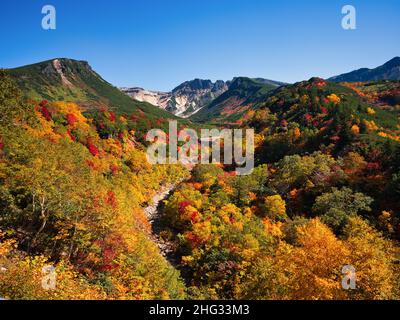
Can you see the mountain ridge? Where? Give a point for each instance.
(184, 100)
(388, 71)
(64, 79)
(189, 97)
(242, 94)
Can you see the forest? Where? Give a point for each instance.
(325, 193)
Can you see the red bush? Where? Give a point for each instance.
(113, 117)
(195, 217)
(46, 113)
(43, 103)
(71, 119)
(93, 149)
(373, 166)
(183, 205)
(308, 117)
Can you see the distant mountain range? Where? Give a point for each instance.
(189, 97)
(389, 71)
(185, 99)
(202, 101)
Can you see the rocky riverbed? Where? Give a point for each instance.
(154, 213)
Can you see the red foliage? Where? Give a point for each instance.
(46, 113)
(324, 110)
(113, 117)
(96, 202)
(90, 164)
(233, 173)
(308, 117)
(318, 82)
(71, 119)
(111, 199)
(194, 240)
(183, 205)
(110, 248)
(93, 149)
(195, 217)
(43, 103)
(373, 166)
(284, 123)
(335, 138)
(114, 169)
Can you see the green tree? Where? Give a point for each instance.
(337, 206)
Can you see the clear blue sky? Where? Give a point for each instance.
(157, 44)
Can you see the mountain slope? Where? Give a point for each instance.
(389, 71)
(75, 81)
(242, 94)
(319, 115)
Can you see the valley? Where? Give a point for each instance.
(77, 191)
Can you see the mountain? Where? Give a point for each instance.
(389, 71)
(75, 81)
(156, 98)
(316, 114)
(185, 99)
(242, 94)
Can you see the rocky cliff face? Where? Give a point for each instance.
(156, 98)
(184, 100)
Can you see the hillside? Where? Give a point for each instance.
(75, 189)
(388, 71)
(75, 81)
(384, 94)
(72, 193)
(325, 190)
(243, 93)
(319, 115)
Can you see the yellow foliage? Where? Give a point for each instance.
(275, 206)
(313, 267)
(355, 129)
(333, 98)
(274, 229)
(304, 99)
(296, 133)
(370, 125)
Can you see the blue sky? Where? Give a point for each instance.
(157, 44)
